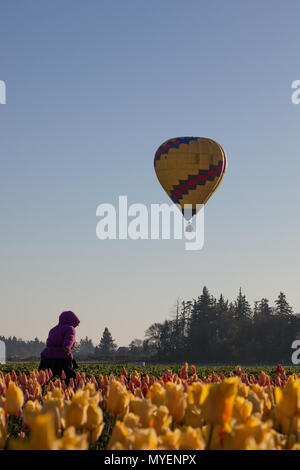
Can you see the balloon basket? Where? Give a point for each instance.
(189, 227)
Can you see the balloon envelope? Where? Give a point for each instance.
(190, 169)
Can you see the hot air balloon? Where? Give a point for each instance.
(190, 169)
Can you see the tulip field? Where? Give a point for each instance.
(150, 408)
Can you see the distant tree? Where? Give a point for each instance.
(202, 331)
(282, 305)
(223, 319)
(153, 336)
(107, 345)
(206, 330)
(85, 346)
(263, 308)
(159, 339)
(242, 307)
(222, 305)
(256, 308)
(18, 348)
(136, 347)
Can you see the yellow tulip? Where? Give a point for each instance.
(145, 439)
(75, 415)
(3, 433)
(176, 401)
(218, 435)
(288, 399)
(170, 440)
(191, 439)
(218, 404)
(117, 446)
(295, 447)
(73, 441)
(242, 409)
(86, 396)
(81, 397)
(257, 404)
(161, 419)
(95, 433)
(196, 393)
(157, 394)
(2, 401)
(55, 403)
(263, 397)
(42, 436)
(120, 434)
(144, 410)
(193, 416)
(132, 421)
(288, 424)
(94, 417)
(57, 393)
(243, 390)
(279, 439)
(117, 399)
(52, 407)
(267, 444)
(14, 399)
(31, 411)
(254, 428)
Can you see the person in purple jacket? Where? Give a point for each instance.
(57, 354)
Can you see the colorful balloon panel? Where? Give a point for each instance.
(190, 169)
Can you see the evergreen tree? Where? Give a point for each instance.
(205, 301)
(282, 305)
(222, 305)
(107, 345)
(242, 309)
(202, 328)
(222, 318)
(263, 307)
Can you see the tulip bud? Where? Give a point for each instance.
(94, 417)
(76, 415)
(14, 399)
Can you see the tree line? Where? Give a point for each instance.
(205, 330)
(215, 331)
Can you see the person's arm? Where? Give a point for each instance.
(69, 339)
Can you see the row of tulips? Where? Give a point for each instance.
(172, 412)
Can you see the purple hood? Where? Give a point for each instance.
(68, 318)
(62, 337)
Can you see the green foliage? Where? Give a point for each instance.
(150, 369)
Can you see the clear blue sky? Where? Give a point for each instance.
(93, 88)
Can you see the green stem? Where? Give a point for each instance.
(290, 432)
(211, 430)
